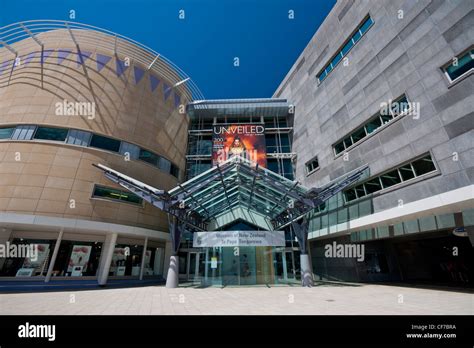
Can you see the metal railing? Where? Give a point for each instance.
(12, 35)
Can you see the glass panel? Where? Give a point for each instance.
(373, 185)
(339, 147)
(424, 165)
(348, 142)
(6, 133)
(56, 134)
(382, 232)
(360, 191)
(132, 150)
(350, 195)
(390, 179)
(398, 229)
(164, 165)
(358, 135)
(347, 47)
(465, 63)
(149, 157)
(322, 76)
(105, 143)
(356, 36)
(336, 59)
(427, 223)
(114, 194)
(373, 125)
(411, 226)
(468, 217)
(366, 25)
(23, 132)
(406, 172)
(399, 106)
(386, 118)
(77, 137)
(445, 221)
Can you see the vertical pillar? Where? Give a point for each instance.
(172, 278)
(301, 232)
(5, 235)
(142, 266)
(53, 257)
(106, 258)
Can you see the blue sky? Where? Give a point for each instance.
(205, 43)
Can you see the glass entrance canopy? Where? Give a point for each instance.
(239, 188)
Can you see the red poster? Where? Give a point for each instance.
(244, 140)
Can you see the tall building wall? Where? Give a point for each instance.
(402, 53)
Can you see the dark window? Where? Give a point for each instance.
(424, 165)
(149, 157)
(6, 133)
(464, 64)
(114, 194)
(348, 141)
(360, 190)
(406, 172)
(366, 25)
(373, 125)
(386, 118)
(350, 195)
(46, 133)
(339, 147)
(174, 171)
(312, 165)
(358, 135)
(105, 143)
(390, 179)
(373, 185)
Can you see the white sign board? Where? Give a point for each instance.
(238, 238)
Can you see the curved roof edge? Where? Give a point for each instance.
(16, 32)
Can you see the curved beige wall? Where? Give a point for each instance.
(50, 174)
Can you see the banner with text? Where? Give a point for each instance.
(244, 140)
(238, 238)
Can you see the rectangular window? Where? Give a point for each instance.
(396, 176)
(6, 133)
(423, 165)
(78, 137)
(132, 150)
(23, 132)
(164, 165)
(312, 165)
(116, 195)
(105, 143)
(149, 157)
(175, 171)
(460, 66)
(383, 117)
(47, 133)
(346, 47)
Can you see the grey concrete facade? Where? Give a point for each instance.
(404, 52)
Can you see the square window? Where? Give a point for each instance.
(358, 135)
(373, 185)
(348, 141)
(406, 172)
(360, 191)
(339, 147)
(464, 64)
(350, 195)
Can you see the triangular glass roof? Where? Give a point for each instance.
(235, 184)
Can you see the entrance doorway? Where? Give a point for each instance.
(196, 263)
(284, 265)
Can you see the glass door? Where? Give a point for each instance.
(196, 263)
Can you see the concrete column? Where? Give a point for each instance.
(172, 279)
(142, 266)
(166, 260)
(5, 235)
(306, 273)
(53, 257)
(106, 258)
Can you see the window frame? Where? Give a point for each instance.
(444, 68)
(308, 171)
